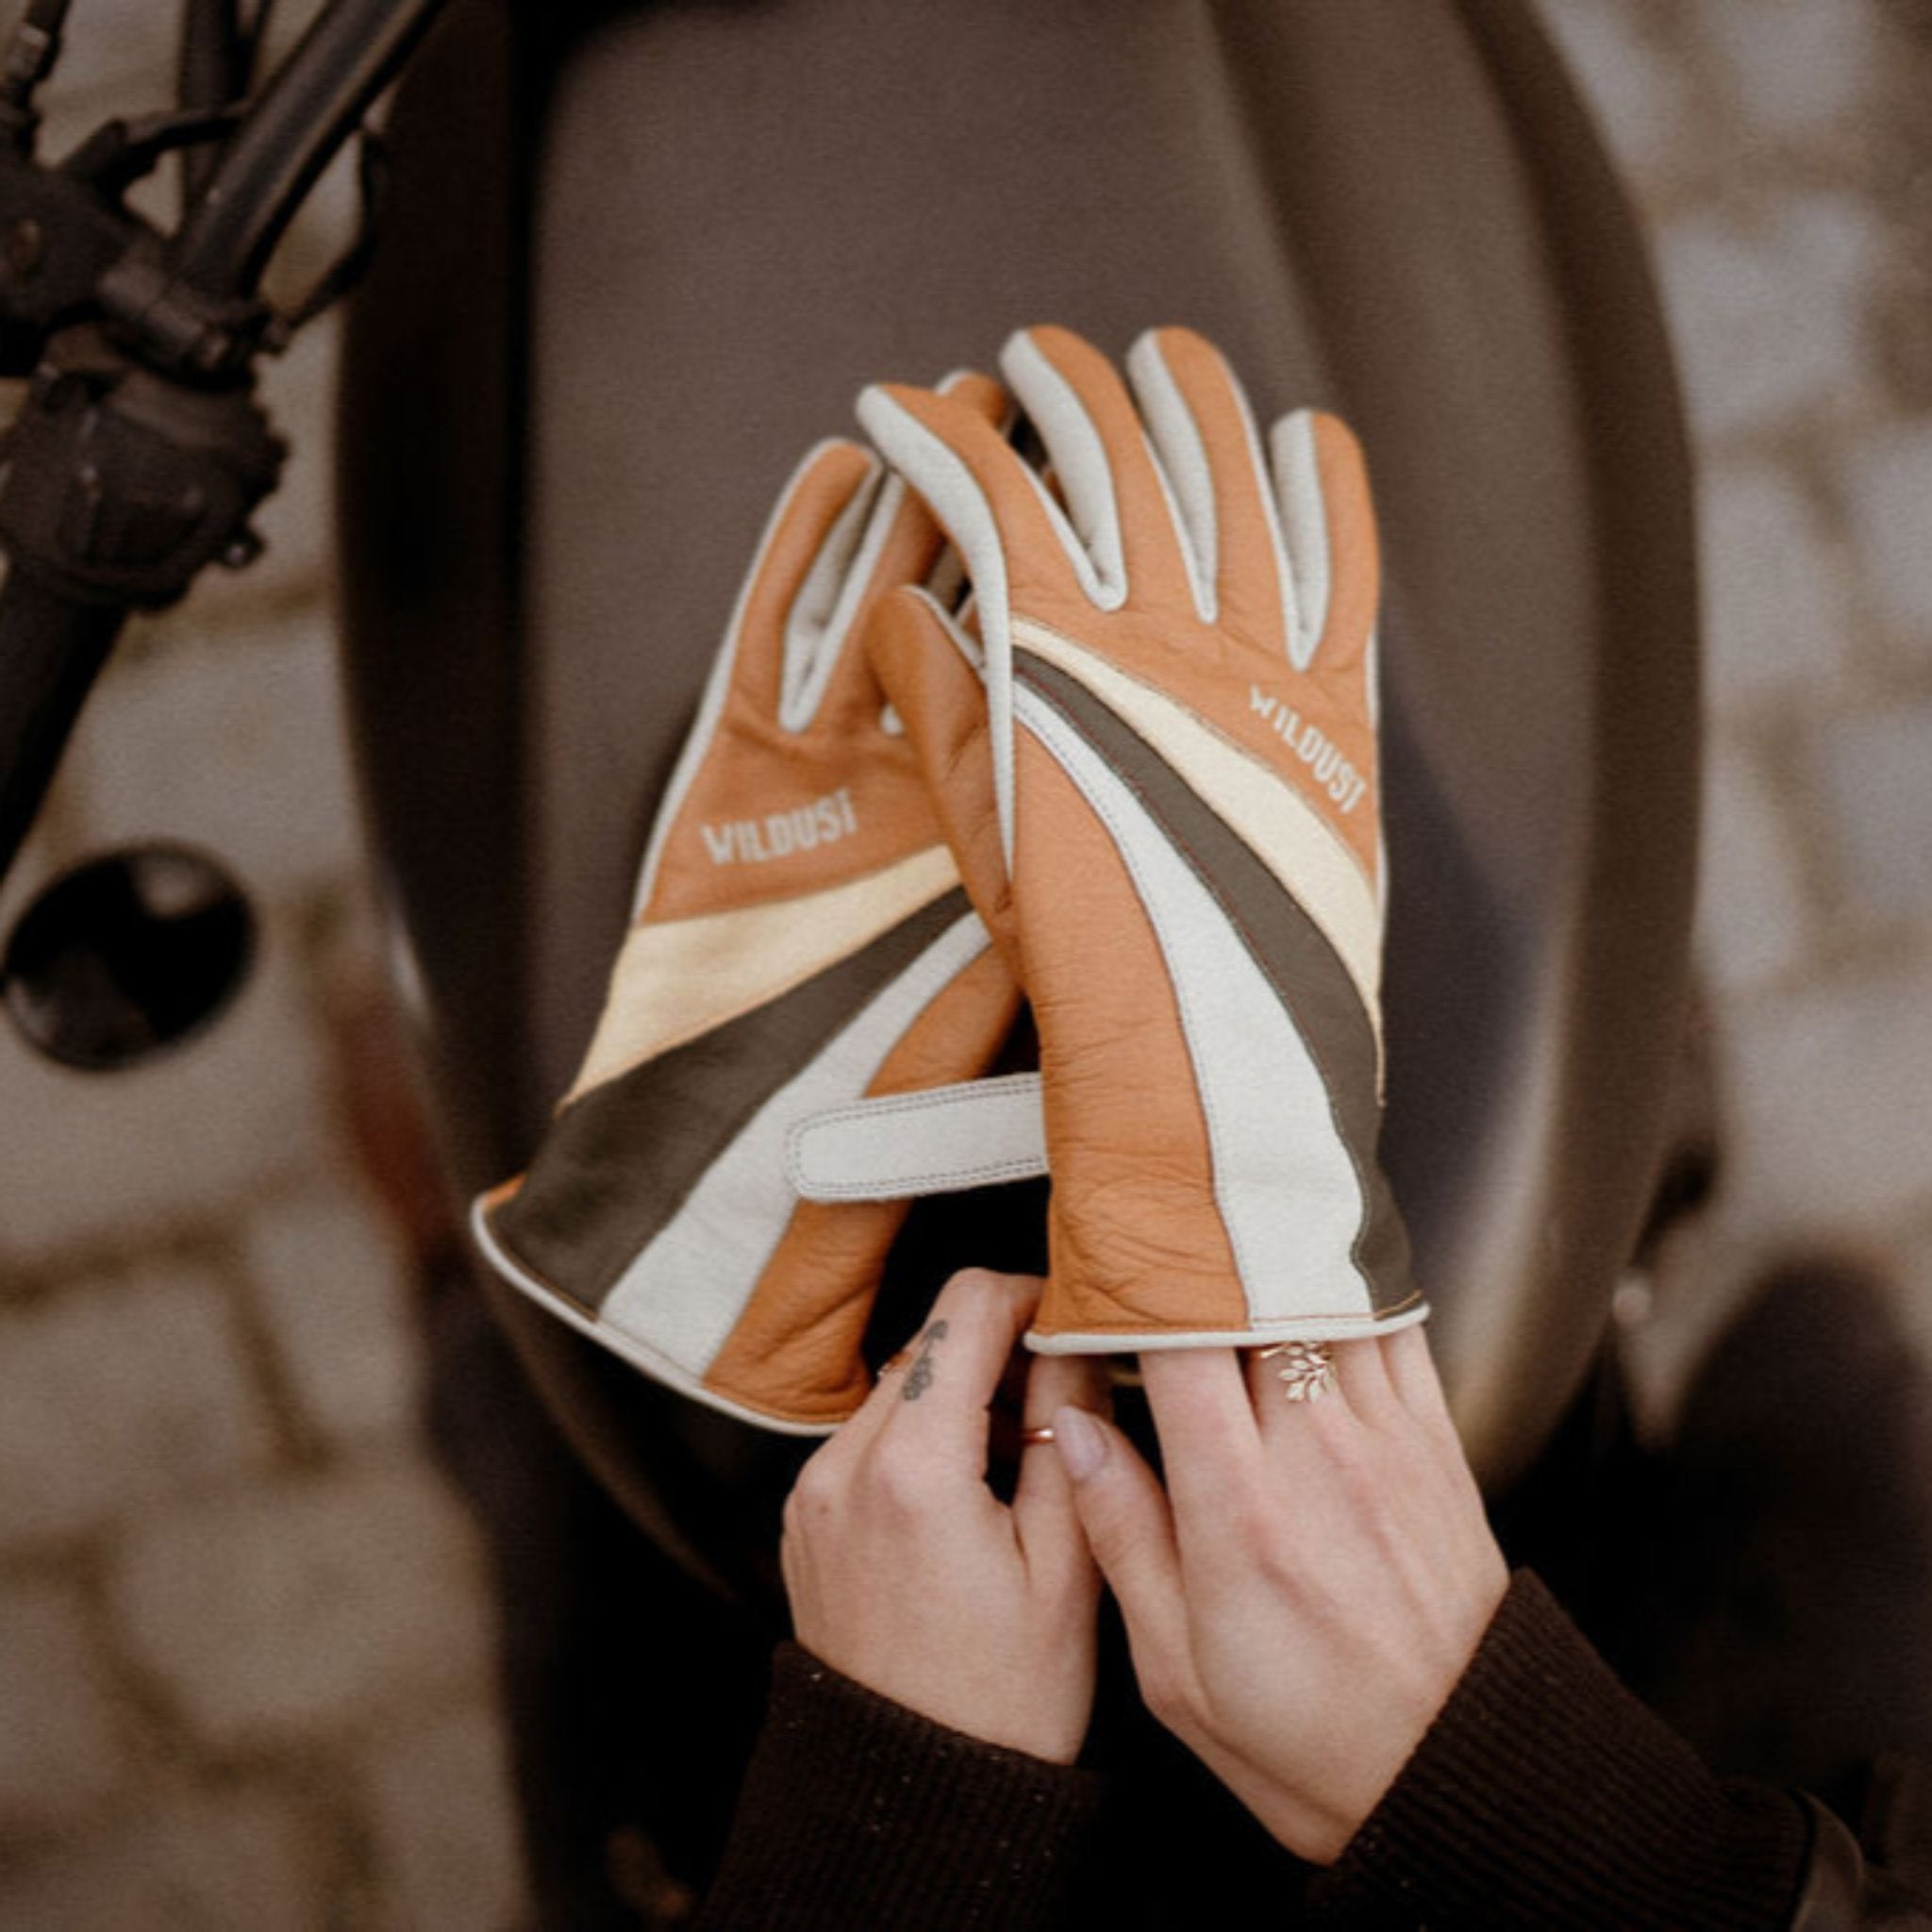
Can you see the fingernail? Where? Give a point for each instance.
(1080, 1440)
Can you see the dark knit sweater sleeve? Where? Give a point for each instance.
(1545, 1795)
(856, 1811)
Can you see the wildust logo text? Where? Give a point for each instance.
(1309, 743)
(750, 841)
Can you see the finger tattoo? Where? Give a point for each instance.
(919, 1377)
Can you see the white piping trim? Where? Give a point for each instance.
(1304, 1327)
(1078, 455)
(640, 1355)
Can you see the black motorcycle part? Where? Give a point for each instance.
(126, 956)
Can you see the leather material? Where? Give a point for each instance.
(1157, 762)
(799, 942)
(988, 1132)
(552, 484)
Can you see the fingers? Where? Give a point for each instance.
(986, 499)
(966, 1304)
(819, 515)
(1125, 1517)
(981, 394)
(1116, 496)
(1119, 521)
(1322, 484)
(813, 534)
(999, 519)
(1379, 1382)
(1204, 435)
(1045, 1518)
(1209, 1444)
(940, 1392)
(1411, 1367)
(898, 544)
(910, 539)
(1361, 1374)
(1303, 1439)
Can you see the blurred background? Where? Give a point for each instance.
(246, 1642)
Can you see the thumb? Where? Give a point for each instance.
(1124, 1513)
(923, 667)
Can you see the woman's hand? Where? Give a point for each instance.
(908, 1575)
(1302, 1597)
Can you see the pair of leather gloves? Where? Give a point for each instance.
(1129, 774)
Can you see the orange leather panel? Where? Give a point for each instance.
(773, 812)
(796, 1351)
(1135, 1241)
(919, 664)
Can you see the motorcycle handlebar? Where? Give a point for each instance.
(350, 53)
(54, 641)
(51, 651)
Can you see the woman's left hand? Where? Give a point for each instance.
(908, 1575)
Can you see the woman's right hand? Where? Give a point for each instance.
(1302, 1597)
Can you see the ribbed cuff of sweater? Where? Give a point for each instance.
(856, 1811)
(1545, 1795)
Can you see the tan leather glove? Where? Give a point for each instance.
(800, 941)
(1156, 765)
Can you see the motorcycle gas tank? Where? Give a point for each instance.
(637, 259)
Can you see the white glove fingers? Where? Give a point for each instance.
(1322, 487)
(749, 661)
(983, 495)
(945, 579)
(885, 538)
(1125, 526)
(840, 578)
(1088, 529)
(1202, 425)
(813, 532)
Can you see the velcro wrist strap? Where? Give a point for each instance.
(941, 1140)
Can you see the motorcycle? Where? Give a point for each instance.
(631, 260)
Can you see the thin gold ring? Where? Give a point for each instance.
(1043, 1433)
